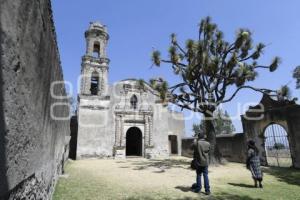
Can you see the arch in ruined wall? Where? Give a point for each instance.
(277, 146)
(274, 112)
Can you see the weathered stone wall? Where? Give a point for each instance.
(33, 146)
(231, 146)
(160, 132)
(293, 121)
(186, 147)
(95, 134)
(176, 124)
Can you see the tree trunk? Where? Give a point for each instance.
(214, 154)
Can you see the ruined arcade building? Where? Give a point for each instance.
(126, 119)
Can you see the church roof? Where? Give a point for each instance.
(134, 80)
(96, 25)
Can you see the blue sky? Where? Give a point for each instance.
(136, 27)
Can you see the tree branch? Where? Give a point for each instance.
(261, 90)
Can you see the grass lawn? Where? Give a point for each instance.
(138, 178)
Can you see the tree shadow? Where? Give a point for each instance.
(162, 165)
(226, 196)
(138, 198)
(287, 175)
(120, 161)
(150, 198)
(3, 178)
(124, 167)
(241, 185)
(218, 196)
(159, 172)
(161, 198)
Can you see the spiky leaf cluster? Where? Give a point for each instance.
(284, 93)
(209, 64)
(161, 87)
(141, 84)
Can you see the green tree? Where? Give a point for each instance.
(222, 124)
(199, 128)
(284, 93)
(278, 146)
(207, 67)
(296, 75)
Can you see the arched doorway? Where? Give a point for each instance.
(134, 143)
(277, 146)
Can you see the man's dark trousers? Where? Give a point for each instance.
(204, 171)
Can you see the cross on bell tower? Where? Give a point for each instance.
(95, 64)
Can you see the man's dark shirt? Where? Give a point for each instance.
(201, 151)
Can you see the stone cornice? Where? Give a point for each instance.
(99, 61)
(134, 121)
(131, 112)
(94, 97)
(92, 107)
(99, 31)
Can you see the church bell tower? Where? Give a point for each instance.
(95, 64)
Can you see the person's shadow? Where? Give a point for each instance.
(184, 188)
(241, 185)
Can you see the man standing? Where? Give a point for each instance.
(201, 150)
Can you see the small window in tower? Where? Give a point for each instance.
(96, 50)
(133, 102)
(94, 83)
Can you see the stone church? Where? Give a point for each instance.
(123, 119)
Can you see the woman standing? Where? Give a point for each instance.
(253, 163)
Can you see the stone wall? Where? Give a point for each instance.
(231, 146)
(293, 121)
(176, 124)
(33, 146)
(186, 147)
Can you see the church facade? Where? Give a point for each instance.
(124, 119)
